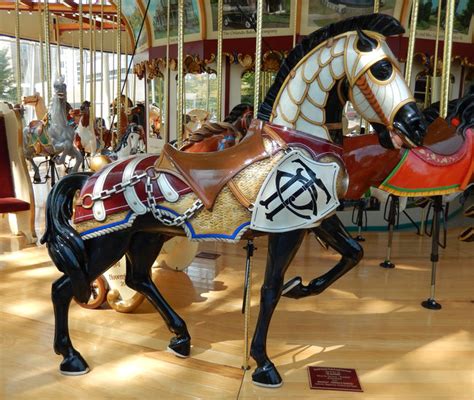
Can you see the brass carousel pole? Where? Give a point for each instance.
(220, 13)
(411, 42)
(81, 54)
(165, 112)
(179, 119)
(101, 70)
(91, 65)
(376, 6)
(48, 50)
(431, 302)
(119, 65)
(41, 53)
(18, 52)
(447, 51)
(295, 22)
(74, 72)
(58, 47)
(258, 58)
(435, 82)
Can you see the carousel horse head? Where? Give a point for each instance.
(60, 90)
(240, 116)
(132, 141)
(32, 100)
(347, 60)
(85, 107)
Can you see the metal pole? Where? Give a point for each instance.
(220, 34)
(295, 22)
(58, 47)
(41, 55)
(101, 71)
(376, 6)
(258, 58)
(48, 50)
(411, 42)
(165, 112)
(448, 47)
(435, 84)
(81, 54)
(119, 66)
(179, 119)
(431, 303)
(18, 52)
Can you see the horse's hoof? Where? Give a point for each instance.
(180, 347)
(74, 365)
(294, 289)
(267, 376)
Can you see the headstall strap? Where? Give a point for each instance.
(369, 95)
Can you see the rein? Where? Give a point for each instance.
(369, 95)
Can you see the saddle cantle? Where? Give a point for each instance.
(441, 138)
(208, 173)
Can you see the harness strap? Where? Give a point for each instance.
(369, 95)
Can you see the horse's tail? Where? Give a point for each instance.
(65, 246)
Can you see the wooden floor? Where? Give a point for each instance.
(370, 320)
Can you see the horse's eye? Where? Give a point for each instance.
(382, 70)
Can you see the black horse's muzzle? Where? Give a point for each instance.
(409, 125)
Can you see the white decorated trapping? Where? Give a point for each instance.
(297, 194)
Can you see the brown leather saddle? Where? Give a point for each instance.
(208, 173)
(442, 138)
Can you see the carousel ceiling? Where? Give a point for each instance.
(282, 19)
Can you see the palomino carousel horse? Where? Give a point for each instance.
(54, 136)
(271, 182)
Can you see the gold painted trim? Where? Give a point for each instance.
(302, 61)
(290, 95)
(312, 122)
(397, 108)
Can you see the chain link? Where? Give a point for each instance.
(119, 187)
(161, 216)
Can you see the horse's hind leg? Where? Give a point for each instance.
(142, 253)
(73, 363)
(281, 250)
(332, 232)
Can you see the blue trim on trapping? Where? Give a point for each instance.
(194, 235)
(102, 227)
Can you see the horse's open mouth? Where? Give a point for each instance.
(60, 95)
(400, 137)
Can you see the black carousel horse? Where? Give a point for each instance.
(83, 259)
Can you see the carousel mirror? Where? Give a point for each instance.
(156, 89)
(201, 99)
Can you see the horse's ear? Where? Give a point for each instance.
(365, 43)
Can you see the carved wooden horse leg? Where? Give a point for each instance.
(142, 253)
(282, 248)
(333, 232)
(101, 254)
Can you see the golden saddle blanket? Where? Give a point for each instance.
(257, 184)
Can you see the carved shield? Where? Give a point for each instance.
(297, 193)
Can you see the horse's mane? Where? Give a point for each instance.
(386, 25)
(462, 108)
(237, 112)
(210, 129)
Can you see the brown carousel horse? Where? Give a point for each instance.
(216, 136)
(270, 182)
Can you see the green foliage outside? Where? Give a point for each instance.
(7, 78)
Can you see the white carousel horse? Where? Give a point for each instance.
(54, 136)
(132, 142)
(86, 131)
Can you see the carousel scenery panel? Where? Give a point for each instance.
(135, 17)
(158, 13)
(319, 13)
(463, 29)
(239, 17)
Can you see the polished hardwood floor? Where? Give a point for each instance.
(370, 320)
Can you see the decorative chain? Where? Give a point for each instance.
(119, 187)
(164, 217)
